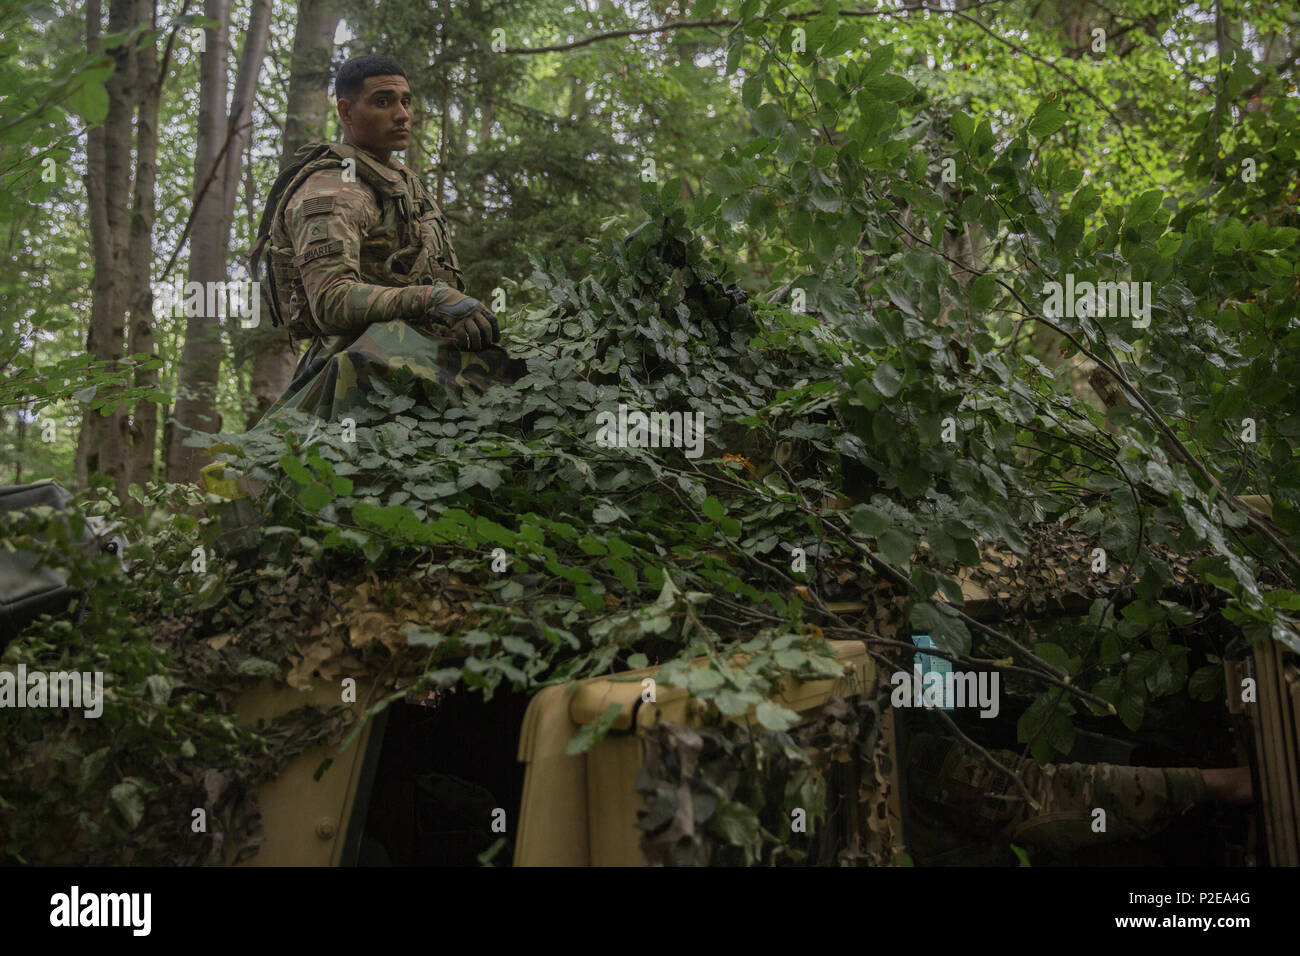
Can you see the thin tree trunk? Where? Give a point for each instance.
(196, 398)
(414, 158)
(103, 444)
(310, 75)
(240, 126)
(444, 144)
(305, 119)
(100, 238)
(144, 427)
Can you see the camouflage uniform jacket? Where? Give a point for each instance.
(958, 802)
(353, 241)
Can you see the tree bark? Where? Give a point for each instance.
(310, 75)
(103, 443)
(240, 125)
(144, 425)
(196, 399)
(306, 116)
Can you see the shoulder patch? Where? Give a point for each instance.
(317, 205)
(332, 248)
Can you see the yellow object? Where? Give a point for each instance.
(581, 810)
(305, 821)
(220, 478)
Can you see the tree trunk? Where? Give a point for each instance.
(144, 426)
(310, 75)
(103, 443)
(305, 119)
(196, 396)
(240, 125)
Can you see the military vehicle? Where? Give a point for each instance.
(446, 778)
(434, 781)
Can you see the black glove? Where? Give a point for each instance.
(470, 323)
(739, 299)
(723, 304)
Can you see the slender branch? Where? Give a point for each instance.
(198, 200)
(1015, 777)
(730, 22)
(1119, 124)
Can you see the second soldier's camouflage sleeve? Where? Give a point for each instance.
(327, 220)
(965, 790)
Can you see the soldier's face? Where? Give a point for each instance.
(379, 119)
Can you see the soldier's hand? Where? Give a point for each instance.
(471, 324)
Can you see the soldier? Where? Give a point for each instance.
(361, 260)
(964, 811)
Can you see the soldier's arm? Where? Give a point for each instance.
(327, 220)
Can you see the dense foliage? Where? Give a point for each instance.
(910, 399)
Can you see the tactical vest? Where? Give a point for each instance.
(423, 253)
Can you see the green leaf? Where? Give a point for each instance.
(315, 496)
(1060, 732)
(589, 735)
(712, 509)
(703, 681)
(891, 87)
(948, 632)
(982, 289)
(159, 687)
(791, 658)
(92, 767)
(1144, 207)
(1131, 708)
(736, 824)
(1206, 683)
(869, 521)
(963, 127)
(845, 37)
(89, 99)
(775, 717)
(731, 703)
(485, 858)
(1047, 120)
(768, 119)
(518, 646)
(1108, 688)
(129, 801)
(887, 379)
(1055, 655)
(604, 514)
(896, 547)
(474, 474)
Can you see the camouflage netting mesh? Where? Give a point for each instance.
(499, 543)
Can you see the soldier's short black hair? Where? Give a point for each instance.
(352, 74)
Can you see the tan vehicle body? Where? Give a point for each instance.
(582, 810)
(577, 810)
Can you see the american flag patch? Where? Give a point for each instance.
(317, 205)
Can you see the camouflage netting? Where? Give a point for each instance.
(730, 795)
(499, 543)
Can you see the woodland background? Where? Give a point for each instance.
(131, 157)
(905, 179)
